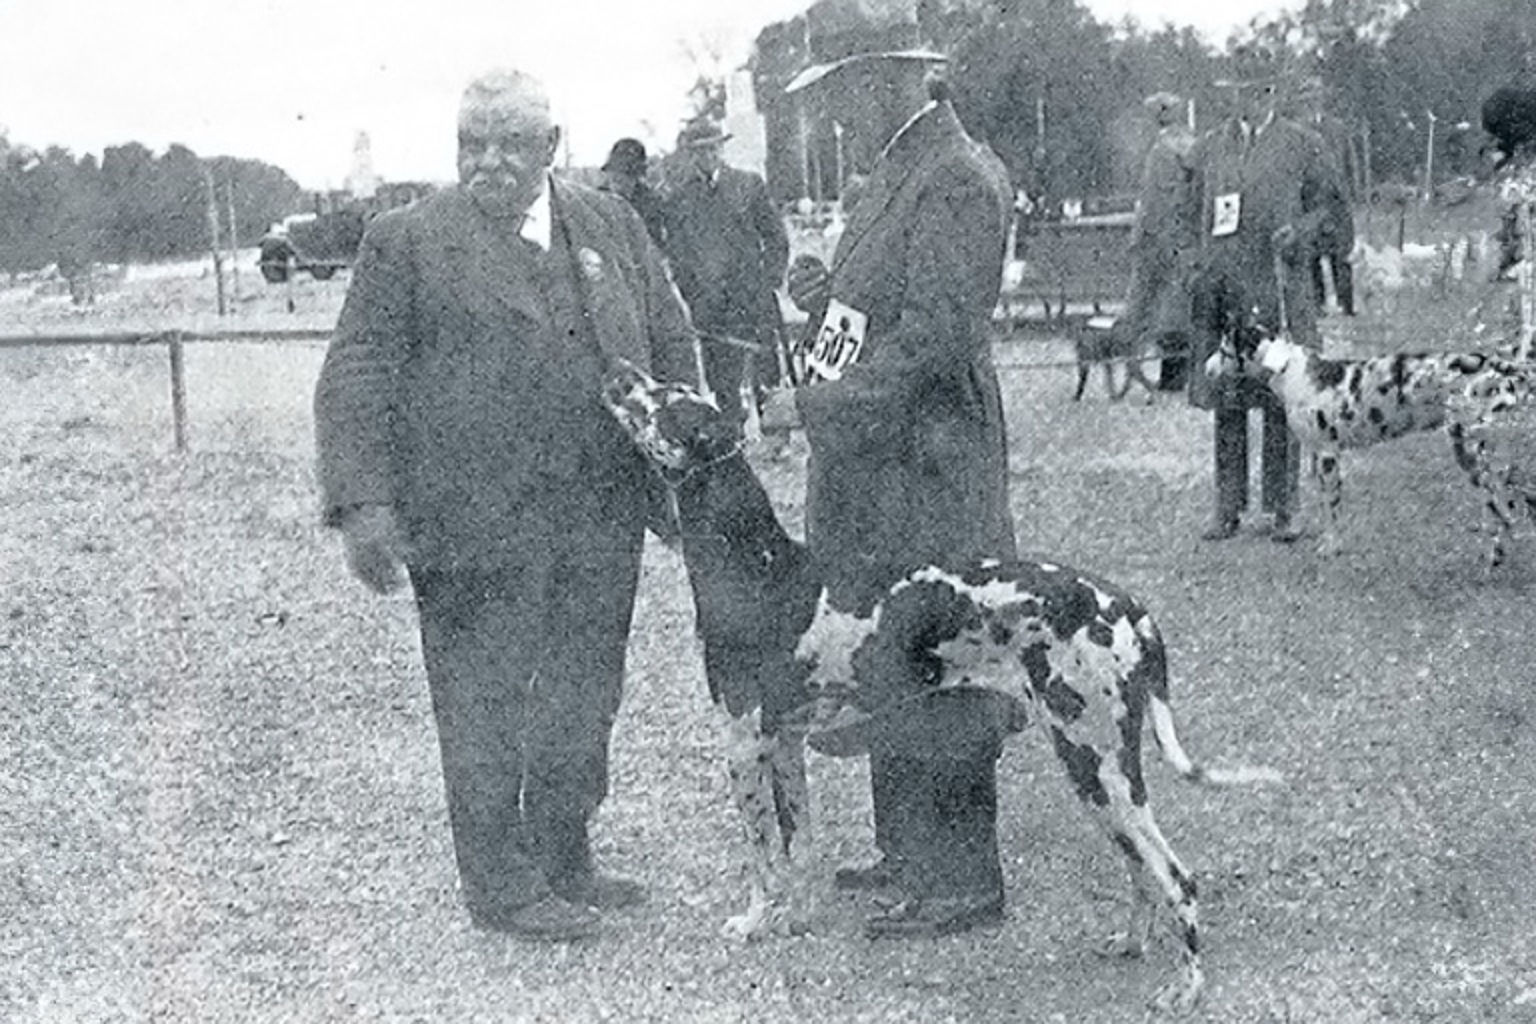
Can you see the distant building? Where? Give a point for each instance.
(362, 181)
(747, 148)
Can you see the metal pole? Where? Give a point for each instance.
(178, 391)
(213, 237)
(1429, 158)
(1526, 275)
(234, 238)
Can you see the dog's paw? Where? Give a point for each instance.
(742, 927)
(1177, 997)
(1330, 546)
(1121, 946)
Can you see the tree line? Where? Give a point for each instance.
(56, 208)
(1057, 93)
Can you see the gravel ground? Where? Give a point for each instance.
(219, 796)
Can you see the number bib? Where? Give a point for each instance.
(1227, 212)
(837, 343)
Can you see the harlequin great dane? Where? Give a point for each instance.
(1333, 404)
(1078, 655)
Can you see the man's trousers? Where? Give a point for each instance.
(525, 663)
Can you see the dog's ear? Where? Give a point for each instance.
(1273, 354)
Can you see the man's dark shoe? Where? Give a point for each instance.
(1283, 532)
(595, 889)
(880, 875)
(934, 916)
(550, 919)
(1220, 529)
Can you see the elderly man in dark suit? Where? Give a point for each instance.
(728, 249)
(1267, 191)
(908, 454)
(461, 437)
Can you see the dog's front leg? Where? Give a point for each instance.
(749, 760)
(1330, 485)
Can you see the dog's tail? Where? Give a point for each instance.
(1160, 710)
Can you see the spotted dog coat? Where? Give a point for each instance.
(1077, 654)
(1334, 404)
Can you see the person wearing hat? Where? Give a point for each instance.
(908, 458)
(1266, 192)
(624, 175)
(727, 247)
(1163, 241)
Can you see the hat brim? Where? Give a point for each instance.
(713, 140)
(816, 72)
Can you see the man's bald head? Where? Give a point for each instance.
(507, 140)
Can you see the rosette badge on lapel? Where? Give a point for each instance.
(591, 263)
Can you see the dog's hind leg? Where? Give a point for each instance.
(749, 759)
(1083, 369)
(1501, 499)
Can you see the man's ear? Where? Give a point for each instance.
(554, 145)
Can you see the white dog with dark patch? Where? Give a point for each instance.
(1334, 404)
(1073, 652)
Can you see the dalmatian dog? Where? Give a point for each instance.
(1074, 653)
(1333, 404)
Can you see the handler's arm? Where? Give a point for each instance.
(355, 397)
(953, 271)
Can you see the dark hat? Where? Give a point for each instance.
(701, 132)
(849, 33)
(626, 157)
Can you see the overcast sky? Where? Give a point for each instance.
(293, 81)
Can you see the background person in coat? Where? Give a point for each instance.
(460, 433)
(1164, 241)
(1266, 190)
(624, 175)
(727, 247)
(908, 460)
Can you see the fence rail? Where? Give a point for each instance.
(175, 342)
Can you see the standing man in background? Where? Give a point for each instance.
(461, 437)
(728, 249)
(908, 460)
(1164, 242)
(1266, 192)
(624, 175)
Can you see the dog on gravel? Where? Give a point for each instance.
(1105, 341)
(1075, 653)
(1334, 404)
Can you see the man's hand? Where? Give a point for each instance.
(1286, 239)
(375, 547)
(778, 414)
(808, 283)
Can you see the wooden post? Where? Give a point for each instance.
(213, 237)
(178, 390)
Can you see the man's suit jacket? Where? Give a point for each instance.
(727, 248)
(461, 386)
(1283, 177)
(908, 453)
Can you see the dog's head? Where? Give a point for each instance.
(675, 427)
(1252, 349)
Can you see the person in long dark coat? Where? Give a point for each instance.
(1266, 191)
(461, 436)
(1163, 241)
(728, 250)
(908, 458)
